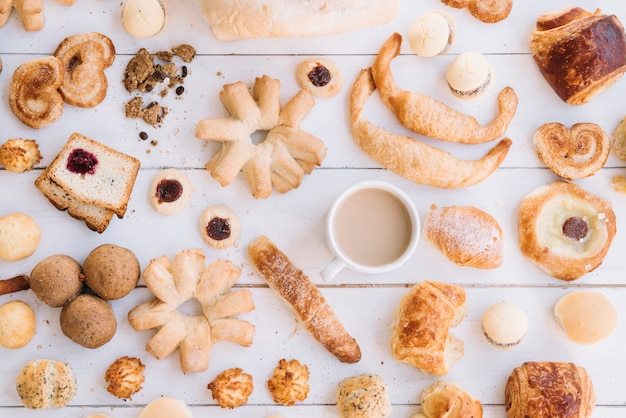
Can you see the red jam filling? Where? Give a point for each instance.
(169, 190)
(82, 162)
(319, 76)
(218, 229)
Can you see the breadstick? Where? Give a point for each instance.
(412, 159)
(14, 284)
(305, 299)
(426, 116)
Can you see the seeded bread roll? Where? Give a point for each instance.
(363, 396)
(111, 271)
(88, 321)
(43, 384)
(56, 279)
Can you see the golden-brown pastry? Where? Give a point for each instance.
(420, 333)
(231, 388)
(426, 116)
(14, 284)
(444, 399)
(179, 280)
(17, 324)
(289, 382)
(321, 76)
(308, 303)
(549, 389)
(468, 236)
(586, 316)
(565, 229)
(572, 153)
(411, 158)
(363, 396)
(43, 384)
(125, 377)
(286, 154)
(579, 53)
(33, 94)
(19, 155)
(85, 57)
(488, 11)
(170, 191)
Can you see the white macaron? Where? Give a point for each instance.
(505, 325)
(432, 33)
(470, 76)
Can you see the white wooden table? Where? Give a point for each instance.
(295, 221)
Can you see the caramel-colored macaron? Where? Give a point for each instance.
(432, 33)
(587, 317)
(470, 76)
(504, 325)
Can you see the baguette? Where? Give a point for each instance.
(305, 299)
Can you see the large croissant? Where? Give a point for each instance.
(549, 389)
(426, 116)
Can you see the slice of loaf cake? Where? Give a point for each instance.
(95, 174)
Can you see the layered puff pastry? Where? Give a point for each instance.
(579, 53)
(549, 389)
(572, 153)
(444, 399)
(411, 158)
(421, 327)
(427, 116)
(565, 229)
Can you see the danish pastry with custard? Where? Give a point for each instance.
(565, 229)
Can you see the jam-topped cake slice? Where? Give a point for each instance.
(94, 173)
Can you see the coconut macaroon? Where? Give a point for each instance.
(432, 33)
(587, 317)
(143, 18)
(504, 325)
(470, 76)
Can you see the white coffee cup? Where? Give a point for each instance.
(372, 227)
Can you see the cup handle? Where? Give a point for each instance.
(332, 269)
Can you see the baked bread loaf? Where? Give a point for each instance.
(444, 399)
(565, 229)
(549, 389)
(94, 173)
(308, 303)
(177, 281)
(283, 18)
(426, 116)
(286, 154)
(579, 53)
(411, 158)
(44, 384)
(420, 334)
(85, 57)
(572, 153)
(33, 92)
(468, 236)
(363, 396)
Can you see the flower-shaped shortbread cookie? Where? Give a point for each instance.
(184, 278)
(286, 153)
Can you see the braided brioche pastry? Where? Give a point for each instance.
(566, 230)
(179, 280)
(549, 389)
(426, 116)
(286, 154)
(30, 12)
(579, 53)
(33, 95)
(572, 153)
(85, 57)
(413, 159)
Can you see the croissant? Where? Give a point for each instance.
(426, 116)
(412, 159)
(579, 53)
(549, 389)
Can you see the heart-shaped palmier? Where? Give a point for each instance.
(85, 57)
(572, 153)
(33, 95)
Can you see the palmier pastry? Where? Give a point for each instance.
(488, 11)
(426, 116)
(549, 389)
(572, 153)
(286, 154)
(420, 333)
(413, 159)
(565, 229)
(85, 57)
(466, 235)
(33, 94)
(579, 53)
